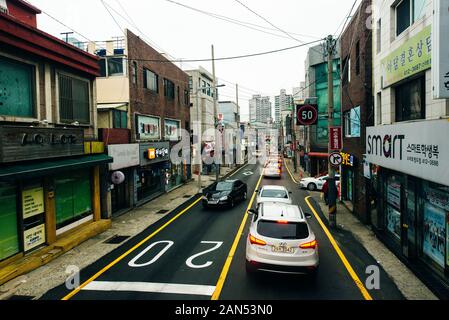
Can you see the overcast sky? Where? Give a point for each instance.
(187, 34)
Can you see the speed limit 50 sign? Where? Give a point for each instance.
(307, 115)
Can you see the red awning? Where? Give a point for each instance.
(318, 155)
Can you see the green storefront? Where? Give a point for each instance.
(43, 199)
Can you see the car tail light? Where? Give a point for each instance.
(279, 171)
(309, 245)
(254, 240)
(282, 222)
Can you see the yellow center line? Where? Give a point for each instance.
(109, 266)
(227, 265)
(340, 253)
(291, 176)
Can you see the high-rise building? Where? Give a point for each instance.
(260, 109)
(283, 111)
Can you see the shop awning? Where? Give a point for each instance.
(112, 106)
(41, 168)
(318, 155)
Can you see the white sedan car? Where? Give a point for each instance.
(280, 240)
(316, 184)
(273, 194)
(272, 170)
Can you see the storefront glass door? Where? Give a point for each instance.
(73, 198)
(393, 207)
(9, 239)
(436, 208)
(410, 219)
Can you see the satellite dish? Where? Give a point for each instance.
(117, 177)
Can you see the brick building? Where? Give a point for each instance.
(49, 178)
(357, 108)
(143, 103)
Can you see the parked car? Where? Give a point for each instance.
(281, 240)
(278, 194)
(272, 170)
(225, 193)
(316, 184)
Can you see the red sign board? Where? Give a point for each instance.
(335, 138)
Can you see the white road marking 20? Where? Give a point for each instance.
(133, 263)
(189, 261)
(168, 245)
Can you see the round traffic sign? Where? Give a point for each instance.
(307, 115)
(335, 159)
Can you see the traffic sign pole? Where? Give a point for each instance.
(332, 195)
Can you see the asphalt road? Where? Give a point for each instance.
(198, 254)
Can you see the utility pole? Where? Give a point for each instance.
(217, 165)
(332, 192)
(199, 137)
(238, 140)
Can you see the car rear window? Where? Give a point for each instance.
(278, 194)
(287, 231)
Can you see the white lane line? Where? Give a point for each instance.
(149, 287)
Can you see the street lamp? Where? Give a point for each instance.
(199, 124)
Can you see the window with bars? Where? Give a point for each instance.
(74, 99)
(169, 89)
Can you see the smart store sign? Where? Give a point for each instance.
(420, 149)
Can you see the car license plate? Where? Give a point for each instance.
(283, 249)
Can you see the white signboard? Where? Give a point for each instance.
(125, 156)
(420, 149)
(440, 51)
(34, 237)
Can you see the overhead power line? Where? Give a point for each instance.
(244, 24)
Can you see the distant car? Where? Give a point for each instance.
(281, 240)
(273, 194)
(316, 184)
(225, 193)
(272, 170)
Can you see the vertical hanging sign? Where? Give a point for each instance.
(440, 50)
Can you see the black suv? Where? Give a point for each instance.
(225, 193)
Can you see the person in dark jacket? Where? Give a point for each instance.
(326, 191)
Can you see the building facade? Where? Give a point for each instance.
(357, 109)
(202, 114)
(49, 166)
(260, 109)
(407, 146)
(229, 117)
(144, 103)
(316, 145)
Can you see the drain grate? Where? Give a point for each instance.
(116, 239)
(162, 211)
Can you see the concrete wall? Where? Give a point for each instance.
(385, 113)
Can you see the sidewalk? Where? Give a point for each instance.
(411, 287)
(36, 283)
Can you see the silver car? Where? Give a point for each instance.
(280, 240)
(273, 194)
(272, 170)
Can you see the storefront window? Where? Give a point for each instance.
(436, 210)
(393, 208)
(149, 182)
(9, 239)
(73, 198)
(173, 176)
